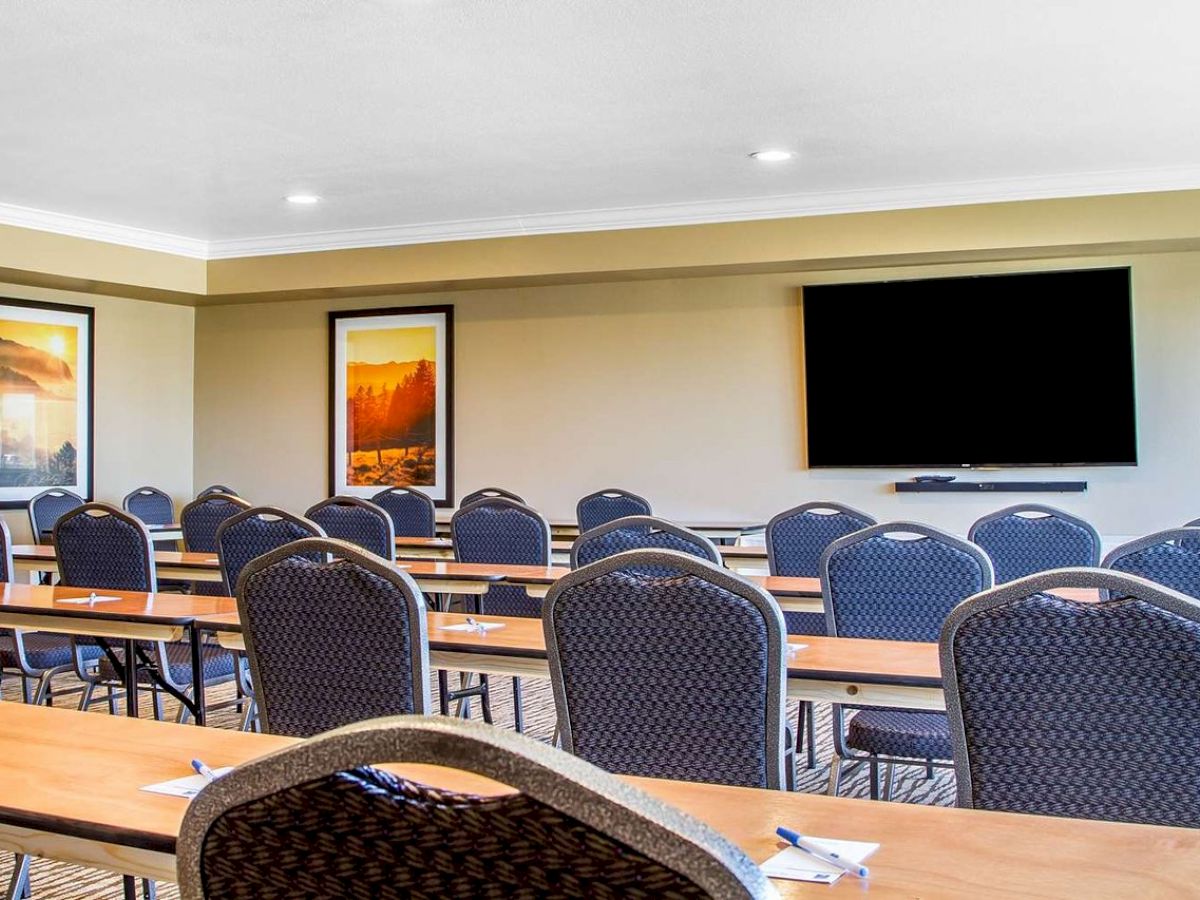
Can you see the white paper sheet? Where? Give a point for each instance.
(481, 627)
(187, 787)
(793, 864)
(86, 601)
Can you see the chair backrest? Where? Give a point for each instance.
(678, 677)
(201, 518)
(1029, 538)
(603, 506)
(1192, 542)
(898, 581)
(358, 521)
(411, 510)
(217, 489)
(1170, 558)
(354, 831)
(6, 555)
(797, 537)
(640, 533)
(314, 664)
(99, 546)
(502, 532)
(46, 508)
(255, 531)
(151, 505)
(1082, 709)
(489, 493)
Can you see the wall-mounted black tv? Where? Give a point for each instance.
(992, 370)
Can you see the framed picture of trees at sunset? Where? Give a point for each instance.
(391, 390)
(46, 354)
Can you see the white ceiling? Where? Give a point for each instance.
(183, 124)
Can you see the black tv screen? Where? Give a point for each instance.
(996, 370)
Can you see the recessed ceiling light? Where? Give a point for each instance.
(303, 199)
(772, 155)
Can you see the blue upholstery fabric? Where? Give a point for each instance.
(900, 733)
(597, 509)
(504, 535)
(1020, 545)
(1191, 541)
(103, 552)
(899, 589)
(1172, 565)
(152, 508)
(804, 622)
(411, 511)
(200, 521)
(665, 677)
(798, 541)
(1081, 709)
(315, 666)
(591, 548)
(217, 663)
(47, 508)
(249, 538)
(358, 525)
(42, 650)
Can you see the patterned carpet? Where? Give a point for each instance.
(57, 881)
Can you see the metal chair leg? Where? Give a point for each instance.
(874, 764)
(889, 781)
(444, 691)
(928, 769)
(18, 884)
(250, 717)
(86, 697)
(835, 777)
(26, 692)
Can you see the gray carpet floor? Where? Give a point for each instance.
(58, 881)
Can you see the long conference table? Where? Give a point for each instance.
(568, 529)
(72, 792)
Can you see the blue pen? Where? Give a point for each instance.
(834, 859)
(205, 771)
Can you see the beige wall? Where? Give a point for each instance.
(143, 404)
(686, 390)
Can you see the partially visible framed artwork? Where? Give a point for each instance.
(46, 399)
(391, 390)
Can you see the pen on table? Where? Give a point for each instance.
(834, 859)
(203, 770)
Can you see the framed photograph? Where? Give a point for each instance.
(46, 376)
(391, 390)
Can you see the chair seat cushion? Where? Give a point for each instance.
(43, 650)
(891, 732)
(217, 661)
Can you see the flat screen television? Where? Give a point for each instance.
(993, 370)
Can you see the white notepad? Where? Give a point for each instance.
(187, 787)
(482, 627)
(86, 601)
(792, 648)
(793, 864)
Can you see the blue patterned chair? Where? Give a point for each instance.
(679, 677)
(1029, 538)
(155, 507)
(199, 521)
(566, 829)
(500, 531)
(601, 507)
(37, 658)
(489, 493)
(217, 489)
(896, 581)
(47, 508)
(640, 533)
(101, 548)
(795, 540)
(412, 511)
(1170, 558)
(313, 664)
(1080, 709)
(1192, 542)
(358, 521)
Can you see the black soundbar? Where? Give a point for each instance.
(981, 487)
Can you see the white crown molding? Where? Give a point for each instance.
(698, 213)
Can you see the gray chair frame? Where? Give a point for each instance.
(843, 755)
(200, 501)
(33, 516)
(422, 497)
(1189, 533)
(812, 506)
(372, 508)
(647, 523)
(217, 489)
(597, 799)
(1043, 511)
(775, 725)
(1104, 580)
(334, 548)
(610, 492)
(490, 493)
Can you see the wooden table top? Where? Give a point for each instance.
(424, 543)
(778, 585)
(49, 760)
(134, 606)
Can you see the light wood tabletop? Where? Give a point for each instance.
(54, 806)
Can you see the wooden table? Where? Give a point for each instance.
(738, 557)
(822, 669)
(568, 529)
(54, 806)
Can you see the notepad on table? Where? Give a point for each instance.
(792, 648)
(187, 787)
(86, 601)
(793, 864)
(467, 626)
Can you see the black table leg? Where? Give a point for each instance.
(131, 678)
(198, 673)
